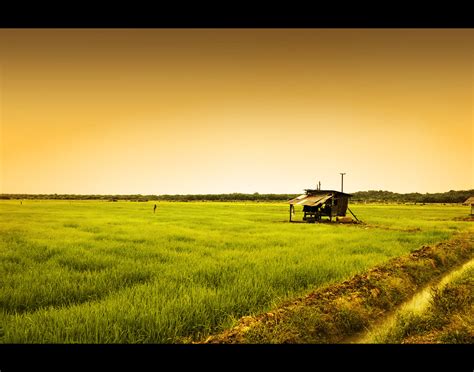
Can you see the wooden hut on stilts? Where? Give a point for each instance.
(470, 201)
(322, 203)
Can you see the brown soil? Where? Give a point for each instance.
(468, 218)
(368, 297)
(428, 338)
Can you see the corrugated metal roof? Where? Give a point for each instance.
(298, 198)
(469, 201)
(311, 200)
(318, 192)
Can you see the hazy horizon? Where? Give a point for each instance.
(260, 193)
(214, 111)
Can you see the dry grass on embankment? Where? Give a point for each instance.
(441, 313)
(336, 313)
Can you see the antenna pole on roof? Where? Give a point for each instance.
(342, 181)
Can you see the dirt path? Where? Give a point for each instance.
(342, 312)
(417, 303)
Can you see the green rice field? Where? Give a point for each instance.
(115, 272)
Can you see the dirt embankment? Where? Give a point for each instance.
(468, 218)
(334, 313)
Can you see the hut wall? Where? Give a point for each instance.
(342, 203)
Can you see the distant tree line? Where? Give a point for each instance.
(166, 197)
(371, 196)
(451, 196)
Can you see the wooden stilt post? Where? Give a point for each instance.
(291, 205)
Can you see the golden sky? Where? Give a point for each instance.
(189, 111)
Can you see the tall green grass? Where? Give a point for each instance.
(115, 272)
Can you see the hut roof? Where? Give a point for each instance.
(311, 200)
(469, 201)
(316, 197)
(325, 192)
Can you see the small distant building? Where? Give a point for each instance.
(320, 203)
(470, 201)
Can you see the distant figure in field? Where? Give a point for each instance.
(21, 203)
(154, 208)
